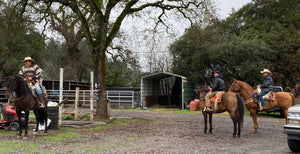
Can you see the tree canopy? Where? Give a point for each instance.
(19, 39)
(262, 34)
(101, 22)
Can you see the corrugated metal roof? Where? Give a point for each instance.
(161, 75)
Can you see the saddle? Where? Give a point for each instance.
(217, 98)
(271, 95)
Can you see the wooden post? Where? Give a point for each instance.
(61, 78)
(92, 96)
(76, 103)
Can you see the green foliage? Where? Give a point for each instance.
(18, 40)
(122, 74)
(262, 34)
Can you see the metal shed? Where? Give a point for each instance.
(180, 89)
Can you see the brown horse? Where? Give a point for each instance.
(25, 101)
(282, 99)
(233, 104)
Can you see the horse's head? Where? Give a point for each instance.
(235, 86)
(10, 85)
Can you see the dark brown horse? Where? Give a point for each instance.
(25, 101)
(282, 99)
(233, 104)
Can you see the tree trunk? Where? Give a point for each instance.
(101, 107)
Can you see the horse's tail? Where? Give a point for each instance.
(294, 102)
(42, 115)
(240, 109)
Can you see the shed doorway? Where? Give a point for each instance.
(166, 89)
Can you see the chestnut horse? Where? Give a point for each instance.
(25, 101)
(282, 99)
(232, 103)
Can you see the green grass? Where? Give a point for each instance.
(117, 123)
(14, 146)
(2, 131)
(65, 128)
(60, 137)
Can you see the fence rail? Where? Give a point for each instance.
(118, 99)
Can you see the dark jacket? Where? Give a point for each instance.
(268, 81)
(218, 83)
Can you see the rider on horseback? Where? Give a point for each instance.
(32, 74)
(265, 87)
(217, 85)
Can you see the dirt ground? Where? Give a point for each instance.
(158, 133)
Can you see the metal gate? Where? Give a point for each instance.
(121, 99)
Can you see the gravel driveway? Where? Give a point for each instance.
(183, 133)
(167, 133)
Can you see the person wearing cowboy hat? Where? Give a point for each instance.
(217, 85)
(32, 74)
(265, 87)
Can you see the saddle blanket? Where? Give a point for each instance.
(269, 96)
(217, 98)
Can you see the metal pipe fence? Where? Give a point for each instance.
(118, 99)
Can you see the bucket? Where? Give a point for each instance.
(53, 115)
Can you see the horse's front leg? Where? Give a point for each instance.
(26, 125)
(210, 122)
(20, 123)
(254, 118)
(205, 121)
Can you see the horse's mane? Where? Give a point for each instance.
(24, 89)
(245, 84)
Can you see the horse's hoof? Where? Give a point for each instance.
(233, 136)
(254, 130)
(19, 137)
(45, 134)
(25, 138)
(35, 133)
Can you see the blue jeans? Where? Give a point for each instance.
(260, 95)
(38, 90)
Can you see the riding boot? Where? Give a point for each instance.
(261, 108)
(41, 100)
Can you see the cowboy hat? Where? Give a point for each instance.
(266, 71)
(28, 59)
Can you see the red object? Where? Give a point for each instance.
(8, 110)
(194, 105)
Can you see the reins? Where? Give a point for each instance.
(253, 96)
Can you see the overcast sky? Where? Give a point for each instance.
(225, 6)
(142, 47)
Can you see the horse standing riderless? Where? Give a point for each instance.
(25, 101)
(282, 99)
(233, 104)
